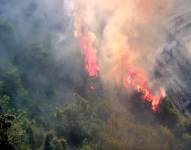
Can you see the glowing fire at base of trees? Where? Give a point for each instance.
(137, 82)
(132, 79)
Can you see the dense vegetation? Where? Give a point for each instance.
(39, 111)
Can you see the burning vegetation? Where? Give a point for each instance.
(94, 75)
(111, 48)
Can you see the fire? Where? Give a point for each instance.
(87, 44)
(132, 79)
(128, 32)
(138, 83)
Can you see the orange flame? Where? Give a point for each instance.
(127, 30)
(133, 79)
(138, 83)
(87, 44)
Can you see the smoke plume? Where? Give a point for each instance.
(119, 41)
(123, 32)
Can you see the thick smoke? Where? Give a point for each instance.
(42, 25)
(125, 33)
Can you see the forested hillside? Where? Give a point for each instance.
(48, 102)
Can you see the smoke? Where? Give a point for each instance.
(36, 37)
(122, 33)
(125, 32)
(124, 36)
(119, 41)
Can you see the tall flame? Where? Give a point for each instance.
(140, 84)
(112, 32)
(132, 79)
(87, 44)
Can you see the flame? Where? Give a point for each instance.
(140, 84)
(128, 31)
(87, 44)
(132, 79)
